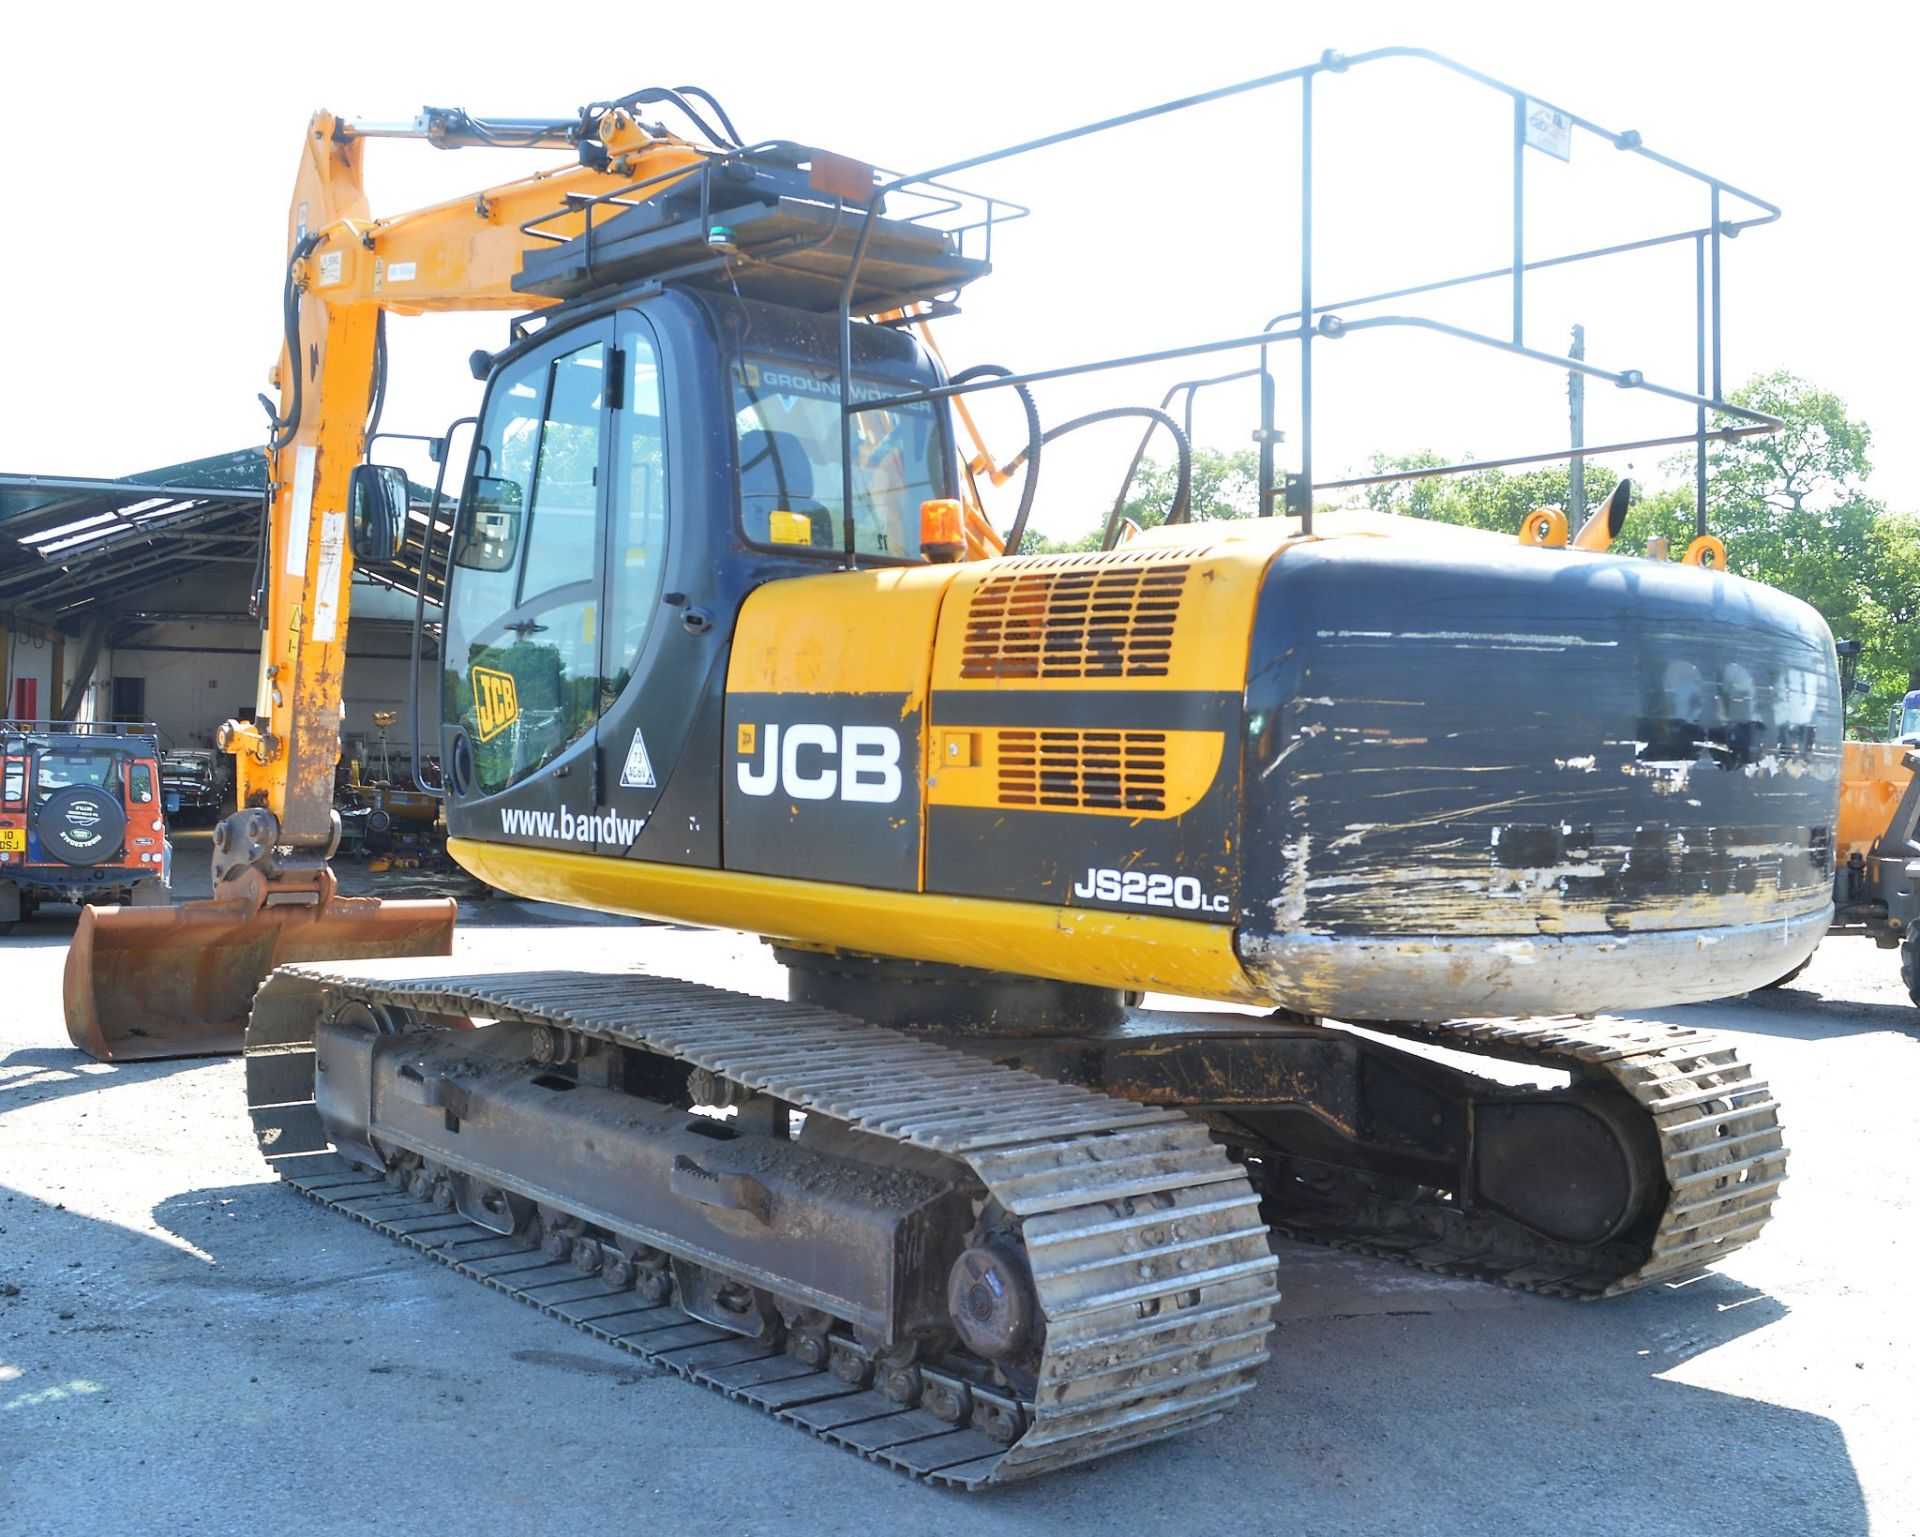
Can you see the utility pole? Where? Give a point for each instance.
(1577, 417)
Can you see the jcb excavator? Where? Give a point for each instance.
(727, 641)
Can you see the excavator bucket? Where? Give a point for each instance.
(145, 982)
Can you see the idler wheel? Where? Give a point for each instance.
(990, 1296)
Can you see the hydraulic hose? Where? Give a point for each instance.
(378, 403)
(718, 111)
(1182, 507)
(284, 426)
(1183, 448)
(676, 97)
(1030, 456)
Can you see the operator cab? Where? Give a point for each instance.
(638, 468)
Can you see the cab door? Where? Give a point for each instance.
(649, 684)
(523, 686)
(574, 671)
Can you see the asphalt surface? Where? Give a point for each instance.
(186, 1346)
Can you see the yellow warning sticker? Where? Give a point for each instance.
(496, 702)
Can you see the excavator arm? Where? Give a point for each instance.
(345, 268)
(178, 981)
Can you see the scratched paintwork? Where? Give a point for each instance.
(1497, 743)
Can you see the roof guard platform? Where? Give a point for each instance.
(776, 221)
(1313, 320)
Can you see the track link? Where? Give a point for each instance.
(1147, 1249)
(1723, 1158)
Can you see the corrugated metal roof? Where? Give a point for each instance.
(71, 545)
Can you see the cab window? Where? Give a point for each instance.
(523, 653)
(13, 785)
(140, 784)
(787, 431)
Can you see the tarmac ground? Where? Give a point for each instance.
(185, 1345)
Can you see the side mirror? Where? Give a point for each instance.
(490, 529)
(377, 497)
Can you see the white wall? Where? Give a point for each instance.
(201, 673)
(198, 675)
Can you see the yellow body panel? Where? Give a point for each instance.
(842, 632)
(1120, 950)
(972, 765)
(1208, 638)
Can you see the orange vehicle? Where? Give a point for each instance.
(80, 817)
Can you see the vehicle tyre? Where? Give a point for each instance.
(1910, 962)
(81, 825)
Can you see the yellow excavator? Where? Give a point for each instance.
(728, 641)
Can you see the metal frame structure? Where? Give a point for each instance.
(1315, 319)
(71, 545)
(89, 534)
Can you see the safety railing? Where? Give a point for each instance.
(1315, 321)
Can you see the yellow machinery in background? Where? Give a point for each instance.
(1873, 778)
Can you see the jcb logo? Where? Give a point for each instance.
(496, 702)
(818, 763)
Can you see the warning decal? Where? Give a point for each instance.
(638, 771)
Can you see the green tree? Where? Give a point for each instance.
(1499, 500)
(1793, 510)
(1817, 460)
(1222, 485)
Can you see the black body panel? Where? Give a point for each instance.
(825, 787)
(1472, 737)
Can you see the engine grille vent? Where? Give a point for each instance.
(1084, 770)
(1074, 620)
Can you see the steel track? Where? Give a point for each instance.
(1148, 1253)
(1723, 1160)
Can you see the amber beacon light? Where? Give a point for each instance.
(942, 539)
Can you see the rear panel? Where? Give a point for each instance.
(1527, 780)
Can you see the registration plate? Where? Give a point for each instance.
(13, 840)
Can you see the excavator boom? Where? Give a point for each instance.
(177, 981)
